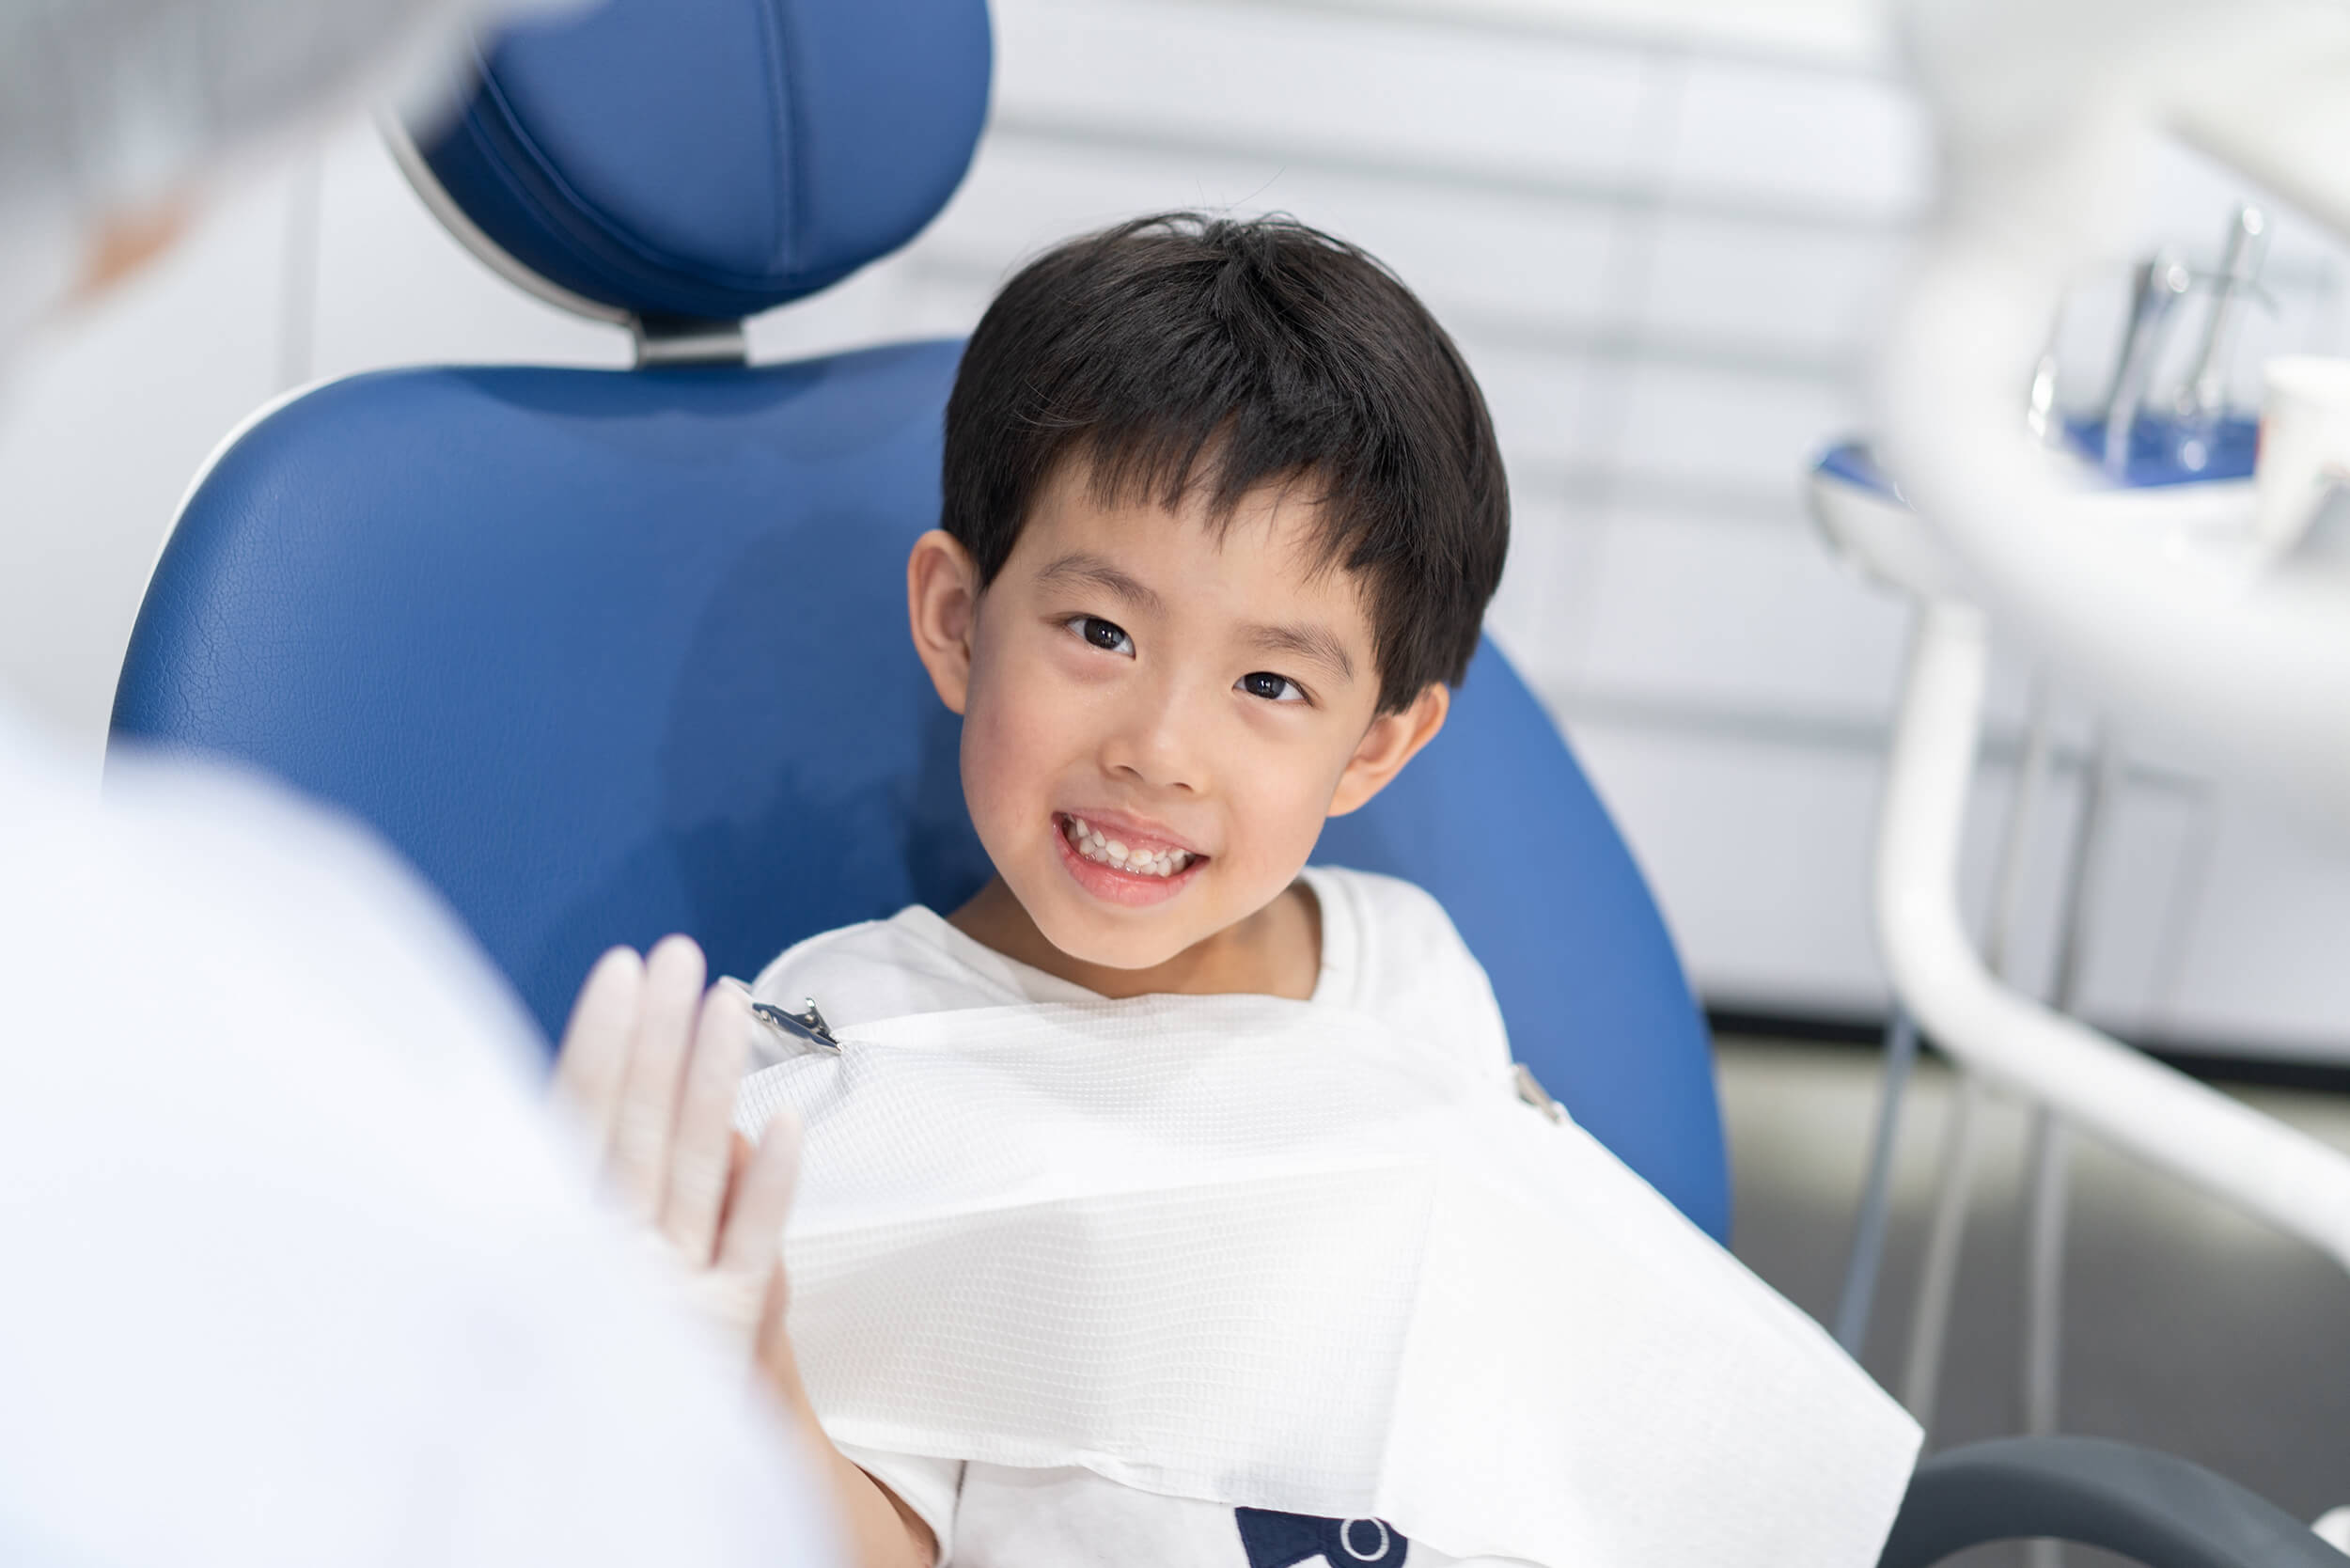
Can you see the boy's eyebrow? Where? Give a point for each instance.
(1079, 568)
(1307, 641)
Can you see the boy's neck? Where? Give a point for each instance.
(1274, 952)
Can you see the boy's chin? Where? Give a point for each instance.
(1121, 940)
(1108, 950)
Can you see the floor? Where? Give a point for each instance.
(2187, 1328)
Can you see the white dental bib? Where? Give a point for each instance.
(1272, 1254)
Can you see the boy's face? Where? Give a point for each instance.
(1158, 715)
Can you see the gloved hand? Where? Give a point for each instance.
(650, 1063)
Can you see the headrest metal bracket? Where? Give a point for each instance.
(679, 340)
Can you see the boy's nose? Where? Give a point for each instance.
(1157, 741)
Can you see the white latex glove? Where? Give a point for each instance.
(649, 1061)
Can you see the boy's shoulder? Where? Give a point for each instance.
(1389, 948)
(1394, 905)
(856, 973)
(1389, 920)
(914, 962)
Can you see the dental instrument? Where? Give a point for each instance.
(2203, 394)
(2159, 284)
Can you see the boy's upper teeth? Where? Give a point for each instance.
(1091, 842)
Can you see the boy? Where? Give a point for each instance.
(1223, 510)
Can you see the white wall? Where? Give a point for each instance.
(1662, 237)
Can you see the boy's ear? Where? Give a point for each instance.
(1392, 740)
(942, 602)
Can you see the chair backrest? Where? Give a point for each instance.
(614, 653)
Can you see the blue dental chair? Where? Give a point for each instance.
(611, 654)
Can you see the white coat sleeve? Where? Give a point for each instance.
(299, 1268)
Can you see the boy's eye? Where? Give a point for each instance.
(1107, 636)
(1272, 687)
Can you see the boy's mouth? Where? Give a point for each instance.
(1117, 858)
(1104, 846)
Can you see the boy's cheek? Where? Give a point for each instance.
(1010, 754)
(1284, 842)
(984, 782)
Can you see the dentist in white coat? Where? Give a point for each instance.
(295, 1266)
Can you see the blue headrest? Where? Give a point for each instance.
(711, 159)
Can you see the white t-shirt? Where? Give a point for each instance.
(1387, 949)
(299, 1269)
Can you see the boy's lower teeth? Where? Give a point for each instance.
(1103, 850)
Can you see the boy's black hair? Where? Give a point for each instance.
(1181, 350)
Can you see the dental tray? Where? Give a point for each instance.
(2167, 452)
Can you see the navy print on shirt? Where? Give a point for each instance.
(1279, 1540)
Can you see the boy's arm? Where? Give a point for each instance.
(650, 1063)
(882, 1532)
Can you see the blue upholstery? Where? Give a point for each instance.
(607, 654)
(611, 654)
(1497, 820)
(713, 158)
